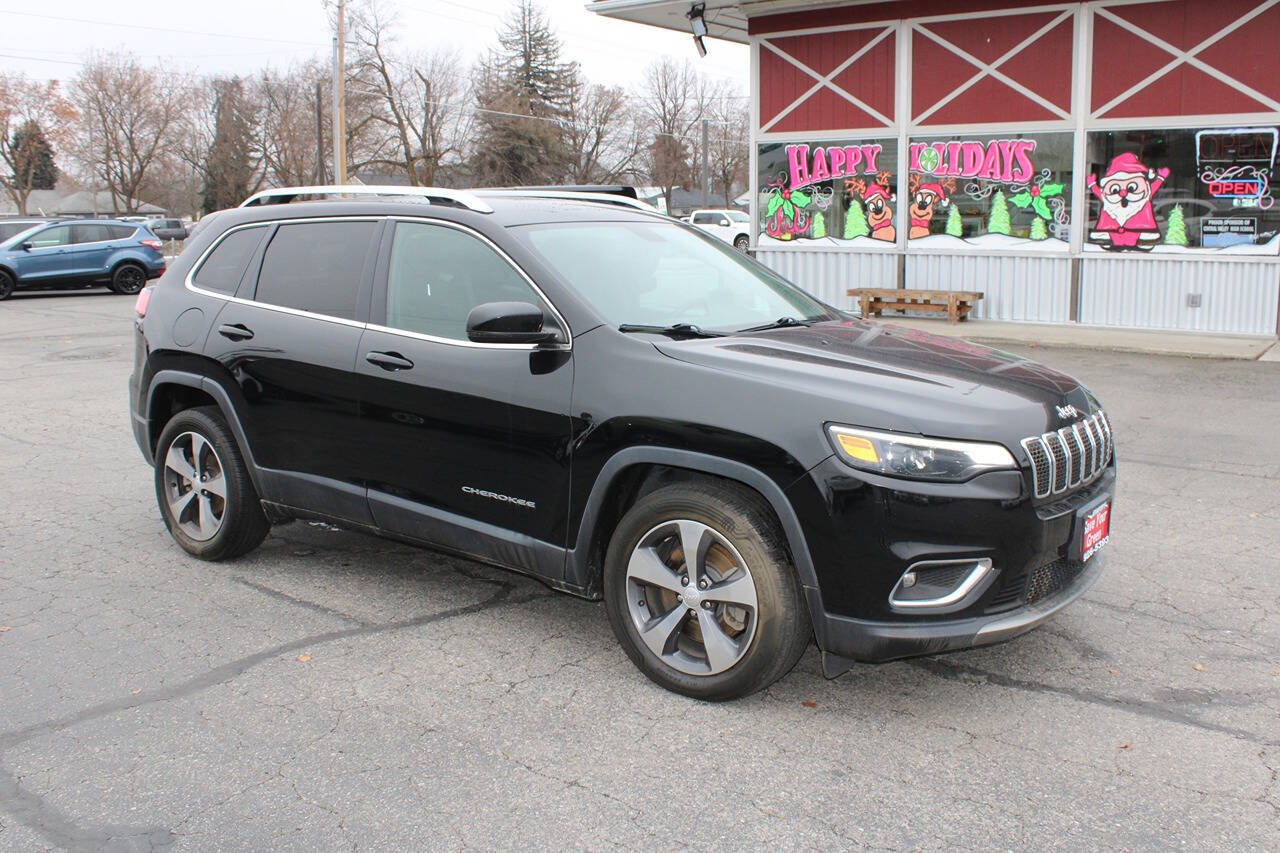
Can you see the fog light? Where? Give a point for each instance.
(908, 580)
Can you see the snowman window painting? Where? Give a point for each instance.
(1008, 192)
(828, 193)
(1197, 191)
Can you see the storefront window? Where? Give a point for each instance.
(1193, 190)
(828, 193)
(1009, 192)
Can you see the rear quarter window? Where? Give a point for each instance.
(222, 269)
(316, 267)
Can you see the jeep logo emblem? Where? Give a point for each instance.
(1068, 411)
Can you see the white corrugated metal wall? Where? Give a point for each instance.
(1152, 292)
(1014, 287)
(828, 274)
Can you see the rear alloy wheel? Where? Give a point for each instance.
(203, 488)
(6, 285)
(701, 592)
(128, 279)
(742, 243)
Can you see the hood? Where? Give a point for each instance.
(884, 376)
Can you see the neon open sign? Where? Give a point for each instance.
(1250, 188)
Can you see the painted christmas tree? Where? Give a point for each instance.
(1038, 229)
(855, 222)
(1175, 231)
(819, 229)
(955, 227)
(998, 221)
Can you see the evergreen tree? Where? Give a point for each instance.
(227, 168)
(1038, 229)
(955, 226)
(819, 229)
(998, 220)
(33, 156)
(1175, 233)
(523, 77)
(855, 221)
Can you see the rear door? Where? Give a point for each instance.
(288, 343)
(90, 247)
(465, 444)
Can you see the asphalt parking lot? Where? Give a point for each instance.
(336, 691)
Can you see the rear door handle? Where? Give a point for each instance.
(236, 332)
(389, 360)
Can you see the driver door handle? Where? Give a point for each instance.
(389, 360)
(236, 331)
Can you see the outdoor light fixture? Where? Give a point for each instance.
(698, 25)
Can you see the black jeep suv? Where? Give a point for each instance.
(622, 407)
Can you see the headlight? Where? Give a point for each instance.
(902, 455)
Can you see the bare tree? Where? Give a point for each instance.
(602, 140)
(129, 115)
(729, 144)
(420, 99)
(292, 155)
(33, 115)
(674, 103)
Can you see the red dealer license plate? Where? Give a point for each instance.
(1097, 530)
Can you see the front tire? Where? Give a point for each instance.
(742, 243)
(128, 279)
(723, 625)
(7, 285)
(203, 489)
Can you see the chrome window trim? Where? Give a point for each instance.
(190, 284)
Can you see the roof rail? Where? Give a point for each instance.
(618, 200)
(431, 195)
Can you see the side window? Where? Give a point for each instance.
(59, 236)
(438, 274)
(89, 233)
(120, 232)
(221, 271)
(316, 267)
(702, 219)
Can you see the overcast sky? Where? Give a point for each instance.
(240, 36)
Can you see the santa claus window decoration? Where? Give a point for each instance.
(997, 193)
(838, 193)
(1199, 191)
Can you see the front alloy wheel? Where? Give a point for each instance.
(691, 597)
(701, 592)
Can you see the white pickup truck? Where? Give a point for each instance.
(731, 226)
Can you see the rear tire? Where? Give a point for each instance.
(6, 285)
(743, 593)
(128, 279)
(203, 489)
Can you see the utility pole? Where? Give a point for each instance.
(320, 174)
(339, 98)
(706, 165)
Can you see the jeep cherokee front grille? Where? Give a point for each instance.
(1070, 457)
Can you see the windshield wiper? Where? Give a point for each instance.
(780, 323)
(686, 329)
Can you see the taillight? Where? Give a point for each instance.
(140, 306)
(152, 244)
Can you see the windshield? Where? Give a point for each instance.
(739, 216)
(9, 230)
(661, 274)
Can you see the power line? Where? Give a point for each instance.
(136, 26)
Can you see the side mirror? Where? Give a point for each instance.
(24, 246)
(724, 223)
(508, 323)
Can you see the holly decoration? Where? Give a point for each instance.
(1034, 197)
(998, 221)
(1038, 230)
(1175, 233)
(955, 226)
(784, 214)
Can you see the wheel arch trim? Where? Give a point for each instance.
(219, 395)
(576, 560)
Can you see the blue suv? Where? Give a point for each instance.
(81, 253)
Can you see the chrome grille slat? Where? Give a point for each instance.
(1070, 457)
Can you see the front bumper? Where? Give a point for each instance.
(849, 640)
